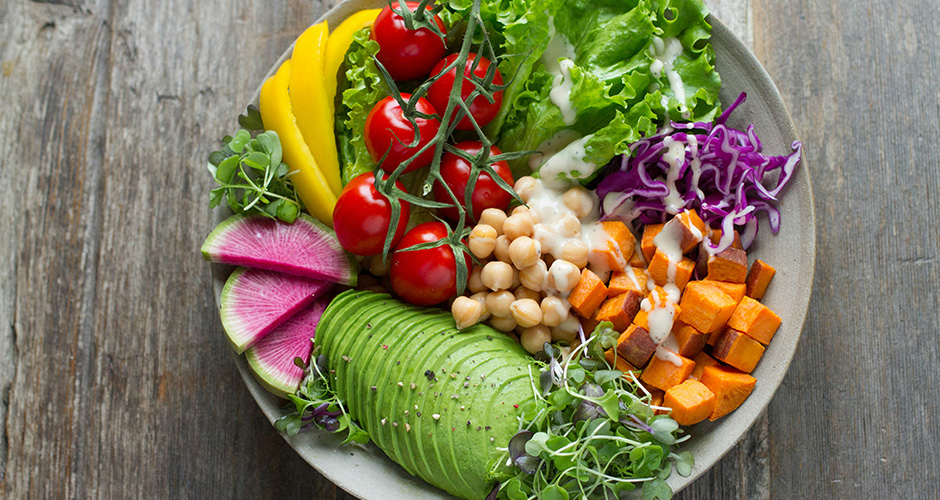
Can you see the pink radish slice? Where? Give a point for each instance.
(272, 358)
(256, 301)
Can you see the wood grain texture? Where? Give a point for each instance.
(115, 378)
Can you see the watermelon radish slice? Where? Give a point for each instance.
(272, 358)
(305, 248)
(256, 301)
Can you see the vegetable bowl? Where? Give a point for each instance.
(366, 472)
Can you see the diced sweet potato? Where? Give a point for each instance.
(691, 402)
(705, 306)
(638, 259)
(729, 265)
(589, 325)
(631, 279)
(738, 350)
(686, 231)
(690, 340)
(758, 277)
(620, 310)
(701, 361)
(730, 386)
(755, 319)
(635, 345)
(588, 294)
(663, 373)
(646, 242)
(611, 356)
(642, 319)
(690, 218)
(659, 270)
(715, 237)
(734, 290)
(622, 235)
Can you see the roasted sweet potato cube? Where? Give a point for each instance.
(715, 237)
(730, 386)
(631, 279)
(690, 340)
(686, 232)
(734, 290)
(663, 373)
(642, 319)
(646, 242)
(755, 319)
(729, 265)
(659, 270)
(738, 350)
(638, 259)
(588, 294)
(705, 306)
(701, 361)
(691, 402)
(758, 277)
(622, 235)
(635, 345)
(691, 219)
(589, 325)
(620, 310)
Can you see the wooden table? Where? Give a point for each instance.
(115, 377)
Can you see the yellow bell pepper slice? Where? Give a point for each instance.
(338, 44)
(310, 103)
(277, 114)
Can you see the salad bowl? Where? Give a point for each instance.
(368, 474)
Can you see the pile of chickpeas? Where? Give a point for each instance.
(527, 269)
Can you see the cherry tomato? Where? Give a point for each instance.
(425, 277)
(483, 110)
(362, 216)
(486, 193)
(388, 129)
(406, 54)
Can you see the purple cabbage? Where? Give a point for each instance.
(731, 188)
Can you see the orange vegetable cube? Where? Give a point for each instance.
(705, 306)
(738, 350)
(588, 294)
(589, 325)
(729, 265)
(755, 319)
(663, 373)
(730, 386)
(646, 242)
(690, 340)
(659, 270)
(623, 281)
(691, 402)
(686, 231)
(690, 218)
(715, 237)
(611, 356)
(701, 361)
(734, 290)
(622, 235)
(620, 310)
(642, 319)
(758, 278)
(635, 345)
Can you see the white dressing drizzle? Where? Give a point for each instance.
(558, 60)
(567, 165)
(675, 158)
(664, 52)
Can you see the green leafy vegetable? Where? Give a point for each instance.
(251, 176)
(363, 87)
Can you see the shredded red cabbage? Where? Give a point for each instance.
(715, 169)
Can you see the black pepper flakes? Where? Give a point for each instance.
(429, 374)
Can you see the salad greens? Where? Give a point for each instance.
(363, 86)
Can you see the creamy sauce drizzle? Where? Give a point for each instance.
(664, 52)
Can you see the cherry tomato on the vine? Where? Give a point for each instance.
(425, 277)
(486, 192)
(388, 129)
(362, 216)
(406, 54)
(482, 110)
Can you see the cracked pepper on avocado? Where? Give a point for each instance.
(503, 241)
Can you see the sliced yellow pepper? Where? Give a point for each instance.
(338, 44)
(308, 97)
(277, 114)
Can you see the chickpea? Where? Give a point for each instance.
(494, 218)
(467, 312)
(524, 252)
(482, 240)
(526, 312)
(569, 226)
(518, 225)
(498, 304)
(534, 276)
(545, 235)
(521, 292)
(501, 252)
(575, 251)
(475, 280)
(554, 311)
(378, 266)
(503, 324)
(579, 201)
(497, 275)
(516, 282)
(563, 276)
(526, 187)
(533, 339)
(567, 330)
(481, 298)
